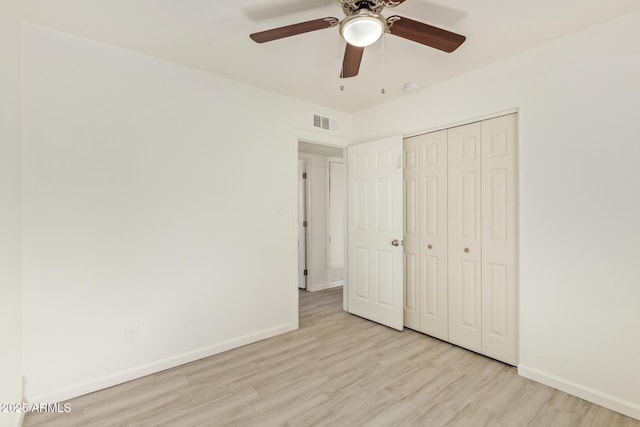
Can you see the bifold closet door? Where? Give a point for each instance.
(465, 232)
(499, 239)
(410, 233)
(432, 289)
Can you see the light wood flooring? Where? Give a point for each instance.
(336, 370)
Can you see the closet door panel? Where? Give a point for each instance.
(433, 243)
(411, 233)
(499, 239)
(465, 233)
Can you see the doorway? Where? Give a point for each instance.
(321, 216)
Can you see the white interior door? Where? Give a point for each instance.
(499, 239)
(375, 289)
(465, 232)
(433, 288)
(411, 233)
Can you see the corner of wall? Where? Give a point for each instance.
(10, 214)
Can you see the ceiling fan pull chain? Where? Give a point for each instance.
(342, 44)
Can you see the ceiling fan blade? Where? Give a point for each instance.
(425, 34)
(351, 62)
(293, 30)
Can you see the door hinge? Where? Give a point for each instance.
(304, 223)
(306, 272)
(304, 175)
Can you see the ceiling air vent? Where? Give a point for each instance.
(322, 122)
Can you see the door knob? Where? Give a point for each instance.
(395, 242)
(466, 250)
(430, 247)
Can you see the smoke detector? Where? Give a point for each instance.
(411, 86)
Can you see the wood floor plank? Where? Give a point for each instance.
(336, 370)
(328, 412)
(525, 404)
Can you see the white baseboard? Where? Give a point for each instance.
(323, 286)
(609, 401)
(154, 367)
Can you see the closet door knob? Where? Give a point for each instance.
(395, 242)
(466, 250)
(430, 247)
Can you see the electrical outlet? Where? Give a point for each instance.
(131, 335)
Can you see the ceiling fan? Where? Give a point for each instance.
(363, 26)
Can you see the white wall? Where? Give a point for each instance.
(579, 105)
(155, 196)
(10, 287)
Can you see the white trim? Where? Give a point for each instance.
(323, 286)
(154, 367)
(598, 397)
(345, 272)
(465, 122)
(311, 220)
(304, 182)
(303, 135)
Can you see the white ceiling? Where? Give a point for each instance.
(213, 35)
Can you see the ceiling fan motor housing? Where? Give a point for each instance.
(352, 6)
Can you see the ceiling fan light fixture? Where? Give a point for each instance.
(363, 28)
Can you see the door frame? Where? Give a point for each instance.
(303, 211)
(327, 140)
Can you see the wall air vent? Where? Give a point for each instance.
(322, 122)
